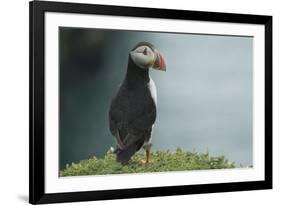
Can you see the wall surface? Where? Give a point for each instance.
(14, 100)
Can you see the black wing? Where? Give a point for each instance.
(131, 112)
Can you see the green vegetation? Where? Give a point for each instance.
(162, 161)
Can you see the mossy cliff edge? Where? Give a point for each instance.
(162, 161)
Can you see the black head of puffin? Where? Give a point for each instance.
(146, 56)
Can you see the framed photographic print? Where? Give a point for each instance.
(140, 102)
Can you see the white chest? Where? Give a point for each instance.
(153, 90)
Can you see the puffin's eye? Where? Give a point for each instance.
(145, 51)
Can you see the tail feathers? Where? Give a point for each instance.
(123, 156)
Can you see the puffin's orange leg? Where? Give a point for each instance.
(147, 158)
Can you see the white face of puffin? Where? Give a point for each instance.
(143, 56)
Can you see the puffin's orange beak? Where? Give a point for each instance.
(159, 63)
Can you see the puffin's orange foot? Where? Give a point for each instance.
(147, 160)
(143, 161)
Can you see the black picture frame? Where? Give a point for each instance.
(37, 9)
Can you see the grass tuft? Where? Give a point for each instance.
(163, 161)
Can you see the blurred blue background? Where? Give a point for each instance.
(204, 98)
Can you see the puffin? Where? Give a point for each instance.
(132, 112)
